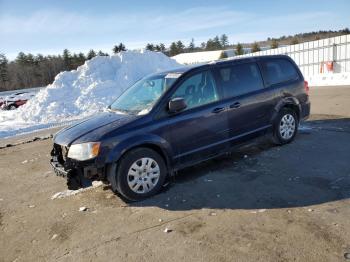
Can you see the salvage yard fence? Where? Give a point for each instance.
(330, 55)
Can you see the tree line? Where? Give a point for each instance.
(29, 70)
(178, 47)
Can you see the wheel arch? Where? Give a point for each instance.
(288, 102)
(155, 147)
(157, 144)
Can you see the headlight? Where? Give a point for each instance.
(84, 151)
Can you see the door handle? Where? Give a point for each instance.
(218, 110)
(235, 105)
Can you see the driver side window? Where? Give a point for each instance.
(199, 89)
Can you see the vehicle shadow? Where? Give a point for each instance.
(312, 170)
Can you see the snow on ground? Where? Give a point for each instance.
(331, 79)
(83, 92)
(68, 193)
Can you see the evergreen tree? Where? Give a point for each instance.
(224, 40)
(274, 43)
(239, 49)
(180, 47)
(115, 49)
(21, 59)
(173, 49)
(150, 47)
(30, 60)
(100, 53)
(161, 47)
(191, 46)
(217, 43)
(118, 48)
(255, 47)
(4, 77)
(203, 45)
(121, 47)
(81, 58)
(213, 44)
(67, 59)
(91, 54)
(73, 61)
(39, 58)
(157, 48)
(210, 45)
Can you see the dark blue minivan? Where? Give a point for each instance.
(171, 120)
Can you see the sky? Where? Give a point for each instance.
(49, 26)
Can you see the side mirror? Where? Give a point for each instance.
(177, 104)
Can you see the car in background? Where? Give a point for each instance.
(15, 100)
(175, 119)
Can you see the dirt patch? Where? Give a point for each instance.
(189, 227)
(260, 203)
(61, 231)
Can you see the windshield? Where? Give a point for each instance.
(141, 97)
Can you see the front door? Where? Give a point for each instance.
(200, 130)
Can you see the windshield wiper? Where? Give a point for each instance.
(119, 111)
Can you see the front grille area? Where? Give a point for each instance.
(66, 167)
(59, 153)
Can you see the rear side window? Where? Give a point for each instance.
(279, 70)
(240, 79)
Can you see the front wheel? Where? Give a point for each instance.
(140, 174)
(285, 127)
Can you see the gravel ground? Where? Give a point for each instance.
(261, 203)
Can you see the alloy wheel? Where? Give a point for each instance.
(287, 126)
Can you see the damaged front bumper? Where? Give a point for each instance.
(79, 174)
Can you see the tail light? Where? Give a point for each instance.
(306, 86)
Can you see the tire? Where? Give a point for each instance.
(140, 174)
(285, 127)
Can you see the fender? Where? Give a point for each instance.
(141, 140)
(286, 101)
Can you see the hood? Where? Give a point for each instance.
(92, 129)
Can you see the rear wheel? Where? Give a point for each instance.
(140, 174)
(285, 127)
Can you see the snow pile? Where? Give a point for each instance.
(93, 86)
(83, 92)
